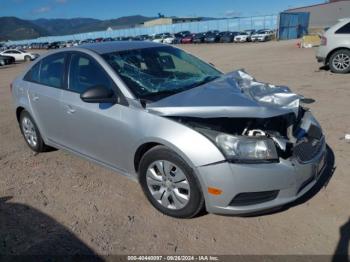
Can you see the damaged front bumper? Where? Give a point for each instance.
(250, 188)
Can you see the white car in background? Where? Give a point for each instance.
(158, 38)
(262, 35)
(19, 55)
(241, 37)
(169, 39)
(334, 50)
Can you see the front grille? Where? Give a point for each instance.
(308, 149)
(253, 198)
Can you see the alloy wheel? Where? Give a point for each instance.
(29, 132)
(341, 62)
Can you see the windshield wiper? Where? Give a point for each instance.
(161, 94)
(203, 81)
(165, 93)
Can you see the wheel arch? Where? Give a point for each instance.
(19, 110)
(333, 51)
(141, 151)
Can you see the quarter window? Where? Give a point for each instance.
(33, 74)
(344, 30)
(52, 70)
(85, 73)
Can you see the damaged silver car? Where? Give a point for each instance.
(191, 135)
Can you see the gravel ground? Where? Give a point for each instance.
(64, 202)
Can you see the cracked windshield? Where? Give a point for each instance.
(157, 72)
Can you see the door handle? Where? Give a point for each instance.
(70, 110)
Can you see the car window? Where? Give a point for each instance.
(52, 70)
(85, 73)
(344, 30)
(33, 74)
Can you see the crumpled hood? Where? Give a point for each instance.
(235, 94)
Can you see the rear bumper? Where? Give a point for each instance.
(321, 54)
(320, 59)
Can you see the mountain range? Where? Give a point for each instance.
(13, 28)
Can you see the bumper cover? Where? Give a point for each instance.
(291, 178)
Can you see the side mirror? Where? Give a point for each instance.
(99, 94)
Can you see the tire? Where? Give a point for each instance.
(172, 188)
(339, 61)
(29, 131)
(27, 58)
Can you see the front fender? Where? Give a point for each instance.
(193, 147)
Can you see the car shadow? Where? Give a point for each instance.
(324, 68)
(8, 66)
(322, 182)
(28, 234)
(342, 251)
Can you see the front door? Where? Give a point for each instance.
(92, 129)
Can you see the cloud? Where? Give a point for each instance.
(43, 9)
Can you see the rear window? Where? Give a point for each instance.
(344, 30)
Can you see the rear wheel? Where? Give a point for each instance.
(169, 183)
(31, 133)
(339, 62)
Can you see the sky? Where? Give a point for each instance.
(107, 9)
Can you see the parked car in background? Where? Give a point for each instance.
(198, 38)
(175, 124)
(188, 39)
(6, 60)
(19, 55)
(242, 37)
(98, 40)
(212, 37)
(178, 36)
(169, 39)
(334, 50)
(158, 38)
(250, 32)
(184, 33)
(54, 45)
(227, 37)
(262, 35)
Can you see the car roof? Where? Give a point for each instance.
(116, 46)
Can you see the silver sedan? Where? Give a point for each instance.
(192, 136)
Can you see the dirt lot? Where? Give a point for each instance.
(57, 199)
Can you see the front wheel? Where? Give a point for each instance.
(169, 183)
(27, 58)
(339, 62)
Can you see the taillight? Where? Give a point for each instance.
(11, 87)
(323, 40)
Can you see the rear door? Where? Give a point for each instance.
(44, 84)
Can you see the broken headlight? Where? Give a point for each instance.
(242, 148)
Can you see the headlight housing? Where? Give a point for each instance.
(241, 148)
(246, 149)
